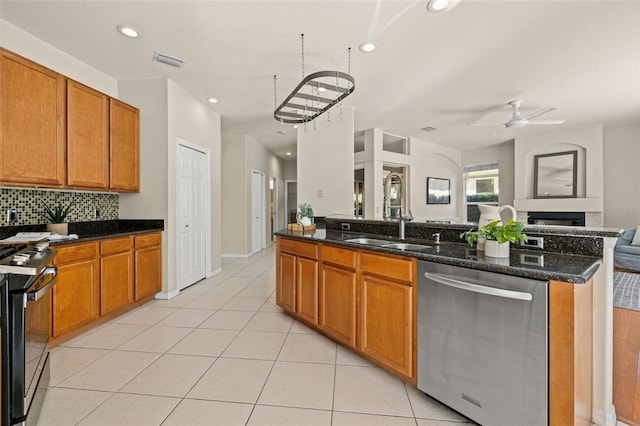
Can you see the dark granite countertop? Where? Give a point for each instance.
(536, 264)
(96, 230)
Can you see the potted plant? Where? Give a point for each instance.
(305, 211)
(56, 217)
(498, 237)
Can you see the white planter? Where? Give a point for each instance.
(58, 228)
(493, 249)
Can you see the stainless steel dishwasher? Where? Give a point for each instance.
(482, 344)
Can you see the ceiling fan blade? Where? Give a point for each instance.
(539, 112)
(546, 122)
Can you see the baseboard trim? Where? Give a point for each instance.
(602, 418)
(237, 256)
(211, 274)
(163, 295)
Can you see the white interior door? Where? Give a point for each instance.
(191, 169)
(257, 211)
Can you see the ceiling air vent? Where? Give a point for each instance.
(168, 60)
(429, 129)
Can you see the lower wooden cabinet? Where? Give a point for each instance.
(362, 299)
(148, 267)
(297, 279)
(338, 310)
(116, 272)
(387, 323)
(100, 279)
(76, 294)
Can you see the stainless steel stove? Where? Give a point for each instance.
(26, 278)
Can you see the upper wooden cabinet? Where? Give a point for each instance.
(32, 131)
(125, 147)
(56, 132)
(87, 137)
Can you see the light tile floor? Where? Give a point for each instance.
(223, 353)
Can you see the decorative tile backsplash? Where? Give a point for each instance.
(29, 205)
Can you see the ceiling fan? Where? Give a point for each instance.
(517, 120)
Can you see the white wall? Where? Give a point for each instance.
(431, 160)
(167, 113)
(290, 170)
(622, 176)
(325, 163)
(587, 139)
(25, 44)
(150, 96)
(503, 154)
(192, 120)
(240, 155)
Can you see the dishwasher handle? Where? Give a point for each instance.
(492, 291)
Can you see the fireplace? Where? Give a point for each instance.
(556, 218)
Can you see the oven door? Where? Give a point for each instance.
(32, 325)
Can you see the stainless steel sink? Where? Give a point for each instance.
(369, 241)
(407, 246)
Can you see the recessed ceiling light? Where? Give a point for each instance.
(128, 31)
(436, 6)
(322, 89)
(367, 47)
(295, 126)
(288, 153)
(212, 100)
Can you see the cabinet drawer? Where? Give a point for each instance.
(309, 250)
(386, 266)
(116, 245)
(148, 240)
(339, 256)
(76, 253)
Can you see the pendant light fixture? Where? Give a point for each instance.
(316, 93)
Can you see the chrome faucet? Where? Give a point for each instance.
(437, 237)
(386, 213)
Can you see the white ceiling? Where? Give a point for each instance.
(453, 71)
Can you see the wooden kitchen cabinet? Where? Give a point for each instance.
(32, 126)
(87, 137)
(148, 265)
(76, 294)
(338, 303)
(297, 284)
(116, 274)
(124, 147)
(388, 313)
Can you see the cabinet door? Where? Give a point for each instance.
(32, 130)
(87, 137)
(338, 303)
(148, 276)
(307, 289)
(116, 271)
(387, 318)
(286, 284)
(76, 296)
(124, 147)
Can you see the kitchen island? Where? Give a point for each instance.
(364, 295)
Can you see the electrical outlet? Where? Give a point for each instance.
(533, 242)
(12, 216)
(96, 213)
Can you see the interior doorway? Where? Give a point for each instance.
(291, 200)
(192, 200)
(273, 206)
(257, 211)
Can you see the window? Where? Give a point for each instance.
(481, 181)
